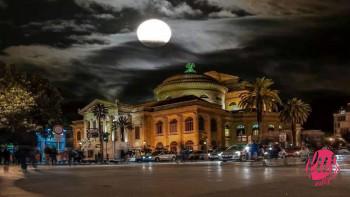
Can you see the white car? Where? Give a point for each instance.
(163, 156)
(234, 152)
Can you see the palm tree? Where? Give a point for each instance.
(295, 111)
(123, 123)
(100, 111)
(259, 97)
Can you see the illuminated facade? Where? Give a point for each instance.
(342, 122)
(190, 111)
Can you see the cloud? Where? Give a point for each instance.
(61, 26)
(161, 7)
(2, 4)
(285, 7)
(104, 16)
(222, 14)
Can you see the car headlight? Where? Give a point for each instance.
(246, 148)
(143, 157)
(220, 154)
(238, 153)
(270, 148)
(265, 153)
(208, 154)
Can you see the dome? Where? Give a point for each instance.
(199, 85)
(191, 78)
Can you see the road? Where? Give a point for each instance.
(169, 180)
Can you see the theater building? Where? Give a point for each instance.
(189, 111)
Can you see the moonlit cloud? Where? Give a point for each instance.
(285, 7)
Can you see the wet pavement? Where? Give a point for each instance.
(205, 179)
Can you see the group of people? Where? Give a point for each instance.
(53, 157)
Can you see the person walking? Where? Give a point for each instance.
(22, 156)
(6, 154)
(1, 154)
(53, 156)
(254, 151)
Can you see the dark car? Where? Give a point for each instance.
(197, 155)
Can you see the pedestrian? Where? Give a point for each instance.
(53, 156)
(254, 151)
(47, 152)
(6, 155)
(22, 156)
(70, 157)
(1, 154)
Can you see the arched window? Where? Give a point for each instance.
(213, 125)
(201, 123)
(189, 124)
(255, 129)
(227, 135)
(159, 128)
(79, 135)
(241, 135)
(173, 126)
(227, 131)
(189, 145)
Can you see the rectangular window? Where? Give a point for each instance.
(173, 127)
(137, 133)
(341, 118)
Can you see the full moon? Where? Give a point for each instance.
(154, 33)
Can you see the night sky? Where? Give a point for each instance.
(89, 49)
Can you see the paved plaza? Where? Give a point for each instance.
(204, 179)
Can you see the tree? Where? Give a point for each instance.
(259, 97)
(123, 123)
(100, 111)
(42, 101)
(295, 111)
(15, 104)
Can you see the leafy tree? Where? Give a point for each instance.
(34, 102)
(259, 97)
(100, 111)
(15, 105)
(123, 122)
(295, 111)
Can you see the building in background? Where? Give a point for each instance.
(190, 111)
(78, 132)
(342, 123)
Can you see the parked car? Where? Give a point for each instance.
(293, 152)
(197, 155)
(274, 152)
(147, 157)
(214, 154)
(234, 152)
(161, 156)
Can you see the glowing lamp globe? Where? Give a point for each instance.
(154, 33)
